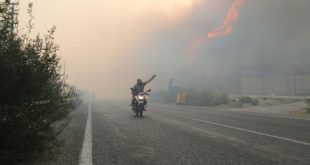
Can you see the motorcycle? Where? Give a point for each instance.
(139, 103)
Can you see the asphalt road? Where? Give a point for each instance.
(170, 134)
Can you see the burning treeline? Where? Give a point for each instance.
(225, 28)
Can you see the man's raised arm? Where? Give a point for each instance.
(149, 80)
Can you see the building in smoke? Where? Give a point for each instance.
(292, 85)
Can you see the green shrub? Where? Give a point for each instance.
(206, 98)
(34, 95)
(248, 100)
(307, 100)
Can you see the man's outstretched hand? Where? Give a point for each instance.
(154, 75)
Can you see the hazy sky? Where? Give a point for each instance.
(107, 45)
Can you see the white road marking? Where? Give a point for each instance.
(282, 116)
(86, 157)
(244, 130)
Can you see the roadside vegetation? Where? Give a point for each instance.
(163, 97)
(206, 98)
(35, 99)
(307, 100)
(193, 98)
(248, 100)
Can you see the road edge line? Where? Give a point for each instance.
(244, 130)
(86, 151)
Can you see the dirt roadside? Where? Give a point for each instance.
(275, 107)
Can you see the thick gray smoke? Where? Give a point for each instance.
(269, 38)
(107, 45)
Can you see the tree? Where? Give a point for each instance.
(35, 100)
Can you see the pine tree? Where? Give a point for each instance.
(35, 100)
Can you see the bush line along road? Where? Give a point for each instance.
(170, 134)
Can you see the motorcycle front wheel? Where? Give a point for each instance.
(140, 110)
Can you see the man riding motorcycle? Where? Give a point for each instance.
(139, 87)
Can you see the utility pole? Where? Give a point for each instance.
(170, 85)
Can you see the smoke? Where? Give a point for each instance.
(107, 45)
(224, 29)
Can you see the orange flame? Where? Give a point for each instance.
(224, 29)
(226, 26)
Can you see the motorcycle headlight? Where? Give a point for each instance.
(140, 97)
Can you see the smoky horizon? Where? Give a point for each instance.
(224, 46)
